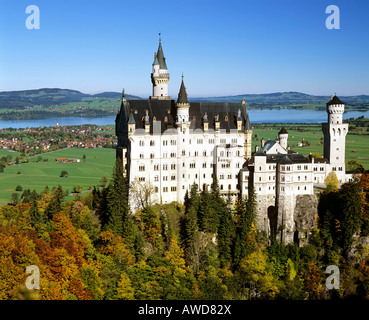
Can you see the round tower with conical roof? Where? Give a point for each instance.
(283, 137)
(335, 137)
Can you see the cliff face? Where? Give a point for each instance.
(304, 216)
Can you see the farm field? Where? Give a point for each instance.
(38, 175)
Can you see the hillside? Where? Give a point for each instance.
(47, 97)
(55, 102)
(290, 99)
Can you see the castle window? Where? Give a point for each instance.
(183, 152)
(221, 187)
(173, 155)
(221, 177)
(152, 143)
(305, 167)
(156, 190)
(237, 165)
(173, 142)
(204, 165)
(173, 166)
(173, 189)
(141, 179)
(156, 178)
(152, 156)
(204, 153)
(229, 176)
(192, 165)
(165, 167)
(165, 189)
(229, 187)
(259, 178)
(222, 153)
(142, 143)
(172, 178)
(141, 156)
(156, 167)
(165, 142)
(165, 178)
(321, 168)
(298, 167)
(141, 168)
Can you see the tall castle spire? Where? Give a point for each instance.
(160, 76)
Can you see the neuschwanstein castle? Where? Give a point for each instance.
(173, 144)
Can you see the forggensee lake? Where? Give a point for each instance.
(256, 116)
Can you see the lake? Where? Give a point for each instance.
(256, 116)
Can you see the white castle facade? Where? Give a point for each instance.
(171, 145)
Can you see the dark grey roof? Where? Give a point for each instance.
(282, 131)
(182, 95)
(131, 119)
(334, 100)
(268, 145)
(161, 58)
(166, 109)
(156, 61)
(121, 125)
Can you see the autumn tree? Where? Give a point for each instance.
(55, 205)
(331, 181)
(245, 232)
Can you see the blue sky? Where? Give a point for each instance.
(222, 47)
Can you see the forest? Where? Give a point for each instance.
(94, 248)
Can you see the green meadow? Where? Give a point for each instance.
(357, 145)
(38, 175)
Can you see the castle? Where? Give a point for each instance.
(172, 144)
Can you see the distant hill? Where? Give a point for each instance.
(284, 99)
(47, 97)
(52, 102)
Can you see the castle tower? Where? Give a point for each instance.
(183, 107)
(121, 130)
(335, 137)
(182, 123)
(283, 138)
(247, 132)
(160, 75)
